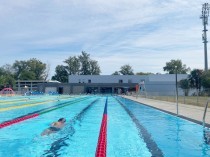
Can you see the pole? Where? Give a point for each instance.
(205, 48)
(204, 17)
(177, 107)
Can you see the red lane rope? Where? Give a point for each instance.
(33, 115)
(102, 139)
(5, 124)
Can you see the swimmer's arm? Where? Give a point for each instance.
(53, 124)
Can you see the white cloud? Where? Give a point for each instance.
(114, 32)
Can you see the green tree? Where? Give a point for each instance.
(81, 65)
(7, 81)
(47, 71)
(205, 79)
(73, 65)
(195, 78)
(38, 68)
(2, 71)
(19, 67)
(27, 75)
(84, 59)
(8, 69)
(144, 73)
(32, 69)
(126, 70)
(116, 73)
(6, 77)
(88, 66)
(185, 85)
(94, 68)
(174, 65)
(61, 74)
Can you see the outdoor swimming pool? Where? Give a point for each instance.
(133, 130)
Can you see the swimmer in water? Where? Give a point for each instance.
(55, 126)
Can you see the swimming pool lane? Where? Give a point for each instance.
(11, 114)
(133, 130)
(39, 112)
(102, 139)
(122, 135)
(173, 135)
(43, 144)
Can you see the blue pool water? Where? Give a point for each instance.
(133, 130)
(39, 103)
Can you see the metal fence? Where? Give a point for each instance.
(194, 96)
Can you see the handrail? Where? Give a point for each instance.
(204, 114)
(206, 131)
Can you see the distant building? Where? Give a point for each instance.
(30, 85)
(164, 84)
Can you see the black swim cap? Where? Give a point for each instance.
(61, 119)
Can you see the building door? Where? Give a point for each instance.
(106, 90)
(60, 90)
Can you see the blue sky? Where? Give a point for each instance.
(144, 34)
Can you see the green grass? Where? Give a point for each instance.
(191, 100)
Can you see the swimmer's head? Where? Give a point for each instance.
(63, 120)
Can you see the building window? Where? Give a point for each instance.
(120, 81)
(89, 81)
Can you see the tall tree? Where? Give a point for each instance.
(37, 67)
(94, 68)
(73, 65)
(126, 70)
(195, 78)
(116, 73)
(205, 79)
(19, 67)
(47, 71)
(185, 85)
(84, 59)
(27, 75)
(143, 73)
(8, 69)
(61, 74)
(174, 65)
(88, 66)
(31, 69)
(7, 81)
(6, 77)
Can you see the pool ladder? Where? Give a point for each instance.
(206, 130)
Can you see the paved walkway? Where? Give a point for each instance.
(193, 113)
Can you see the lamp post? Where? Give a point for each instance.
(204, 17)
(18, 85)
(197, 85)
(177, 107)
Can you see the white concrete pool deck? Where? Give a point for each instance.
(188, 111)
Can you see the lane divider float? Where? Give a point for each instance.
(32, 100)
(102, 139)
(39, 112)
(29, 105)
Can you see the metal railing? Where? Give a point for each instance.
(206, 131)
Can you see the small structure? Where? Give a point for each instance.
(7, 92)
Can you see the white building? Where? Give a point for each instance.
(163, 84)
